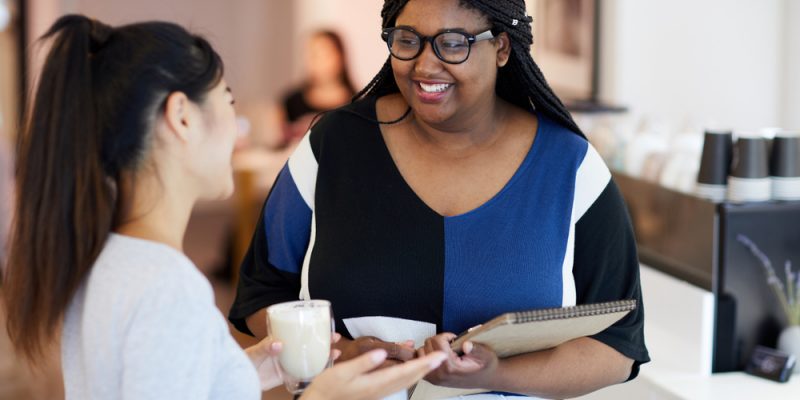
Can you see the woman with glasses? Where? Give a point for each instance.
(455, 188)
(132, 125)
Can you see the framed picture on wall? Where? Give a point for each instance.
(565, 37)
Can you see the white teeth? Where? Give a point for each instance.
(435, 88)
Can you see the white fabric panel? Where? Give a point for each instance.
(591, 179)
(568, 296)
(305, 294)
(303, 167)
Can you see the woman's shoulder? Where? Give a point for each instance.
(344, 126)
(563, 146)
(563, 136)
(141, 268)
(365, 111)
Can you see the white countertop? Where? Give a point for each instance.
(679, 334)
(729, 386)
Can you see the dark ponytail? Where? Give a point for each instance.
(97, 98)
(520, 82)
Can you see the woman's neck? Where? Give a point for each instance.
(478, 131)
(155, 210)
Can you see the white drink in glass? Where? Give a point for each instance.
(304, 328)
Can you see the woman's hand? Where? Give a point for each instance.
(262, 355)
(353, 380)
(472, 370)
(397, 353)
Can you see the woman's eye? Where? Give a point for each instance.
(454, 45)
(408, 42)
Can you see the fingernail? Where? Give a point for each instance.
(378, 356)
(277, 346)
(468, 347)
(438, 361)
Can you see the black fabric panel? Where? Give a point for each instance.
(606, 268)
(260, 283)
(379, 249)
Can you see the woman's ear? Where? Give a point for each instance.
(177, 115)
(503, 45)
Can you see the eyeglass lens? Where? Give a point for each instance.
(448, 46)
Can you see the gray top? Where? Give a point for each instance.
(144, 326)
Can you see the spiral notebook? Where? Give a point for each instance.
(528, 331)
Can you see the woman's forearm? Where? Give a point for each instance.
(569, 370)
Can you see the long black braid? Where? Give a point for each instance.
(519, 82)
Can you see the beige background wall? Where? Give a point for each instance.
(9, 72)
(261, 41)
(245, 32)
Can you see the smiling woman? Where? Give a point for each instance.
(455, 188)
(130, 127)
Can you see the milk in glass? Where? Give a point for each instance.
(304, 328)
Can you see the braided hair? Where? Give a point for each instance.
(519, 82)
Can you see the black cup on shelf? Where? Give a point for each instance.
(784, 166)
(749, 179)
(715, 164)
(785, 158)
(750, 158)
(716, 159)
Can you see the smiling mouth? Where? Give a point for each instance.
(435, 87)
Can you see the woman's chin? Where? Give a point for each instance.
(221, 192)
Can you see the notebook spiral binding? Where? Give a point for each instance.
(574, 311)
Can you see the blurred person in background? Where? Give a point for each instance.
(130, 127)
(326, 85)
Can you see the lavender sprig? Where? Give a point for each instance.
(797, 293)
(787, 296)
(789, 282)
(793, 278)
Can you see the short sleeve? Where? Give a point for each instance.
(170, 346)
(606, 268)
(271, 270)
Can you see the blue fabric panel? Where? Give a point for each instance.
(287, 222)
(507, 255)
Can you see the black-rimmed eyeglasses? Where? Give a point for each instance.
(450, 45)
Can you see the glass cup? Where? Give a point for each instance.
(305, 329)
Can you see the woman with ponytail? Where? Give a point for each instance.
(455, 187)
(130, 126)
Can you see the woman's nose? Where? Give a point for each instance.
(427, 62)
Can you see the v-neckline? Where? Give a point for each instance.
(523, 166)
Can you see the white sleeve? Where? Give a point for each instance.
(169, 347)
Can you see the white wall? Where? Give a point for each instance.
(684, 60)
(791, 73)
